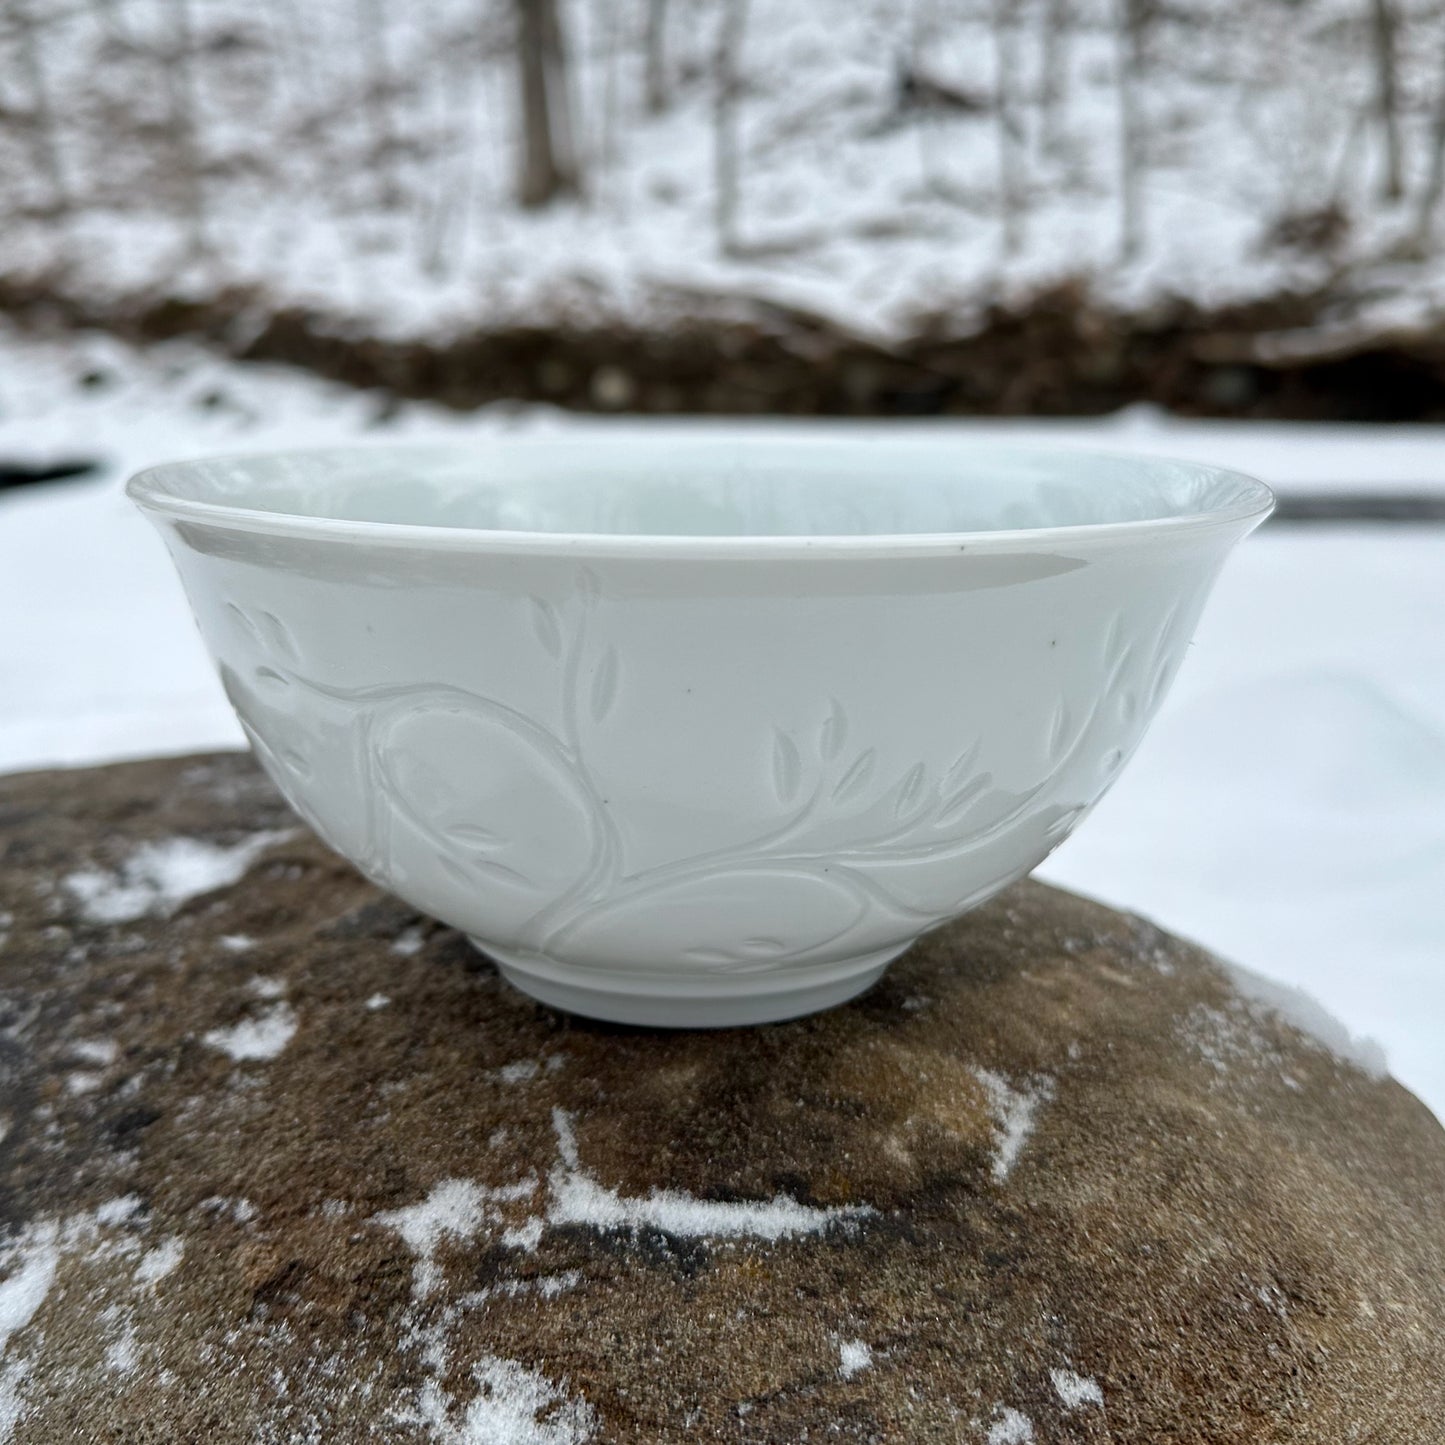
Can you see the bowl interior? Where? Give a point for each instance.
(665, 486)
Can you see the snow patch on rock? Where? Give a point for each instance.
(160, 1261)
(854, 1356)
(514, 1406)
(259, 1038)
(454, 1210)
(1014, 1112)
(1296, 1008)
(1010, 1427)
(158, 877)
(33, 1258)
(577, 1198)
(1076, 1391)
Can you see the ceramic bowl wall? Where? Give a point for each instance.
(707, 778)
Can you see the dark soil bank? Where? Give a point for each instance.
(1061, 354)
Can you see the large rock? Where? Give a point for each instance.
(286, 1162)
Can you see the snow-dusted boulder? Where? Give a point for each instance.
(283, 1161)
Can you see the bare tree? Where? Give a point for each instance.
(1387, 100)
(655, 57)
(1131, 21)
(44, 134)
(921, 29)
(377, 102)
(608, 145)
(727, 141)
(110, 17)
(1435, 177)
(180, 69)
(1054, 71)
(549, 162)
(1008, 128)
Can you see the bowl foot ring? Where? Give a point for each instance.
(709, 1001)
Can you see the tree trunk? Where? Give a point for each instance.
(727, 144)
(185, 126)
(1008, 129)
(45, 138)
(549, 166)
(377, 98)
(922, 30)
(655, 57)
(1131, 22)
(1387, 99)
(1054, 72)
(1435, 178)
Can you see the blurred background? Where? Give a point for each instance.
(1191, 227)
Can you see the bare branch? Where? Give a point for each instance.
(727, 144)
(45, 136)
(549, 164)
(1130, 24)
(1387, 102)
(655, 57)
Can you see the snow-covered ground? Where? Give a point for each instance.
(362, 159)
(1287, 809)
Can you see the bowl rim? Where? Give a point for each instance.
(146, 488)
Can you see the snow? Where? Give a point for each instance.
(32, 1260)
(1013, 1113)
(121, 1354)
(454, 1210)
(506, 1410)
(1296, 1008)
(1010, 1427)
(157, 1263)
(259, 1038)
(158, 877)
(408, 942)
(1283, 810)
(95, 1051)
(519, 1071)
(119, 1211)
(849, 204)
(577, 1198)
(854, 1356)
(1076, 1391)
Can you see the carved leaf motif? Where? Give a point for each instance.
(1121, 666)
(544, 624)
(468, 874)
(1059, 731)
(787, 767)
(269, 679)
(856, 777)
(1158, 686)
(1114, 648)
(243, 622)
(960, 801)
(470, 835)
(604, 685)
(909, 789)
(834, 732)
(279, 636)
(959, 769)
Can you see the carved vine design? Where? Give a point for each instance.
(817, 778)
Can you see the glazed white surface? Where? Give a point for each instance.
(667, 782)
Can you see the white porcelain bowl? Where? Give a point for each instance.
(696, 732)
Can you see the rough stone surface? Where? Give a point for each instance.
(285, 1162)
